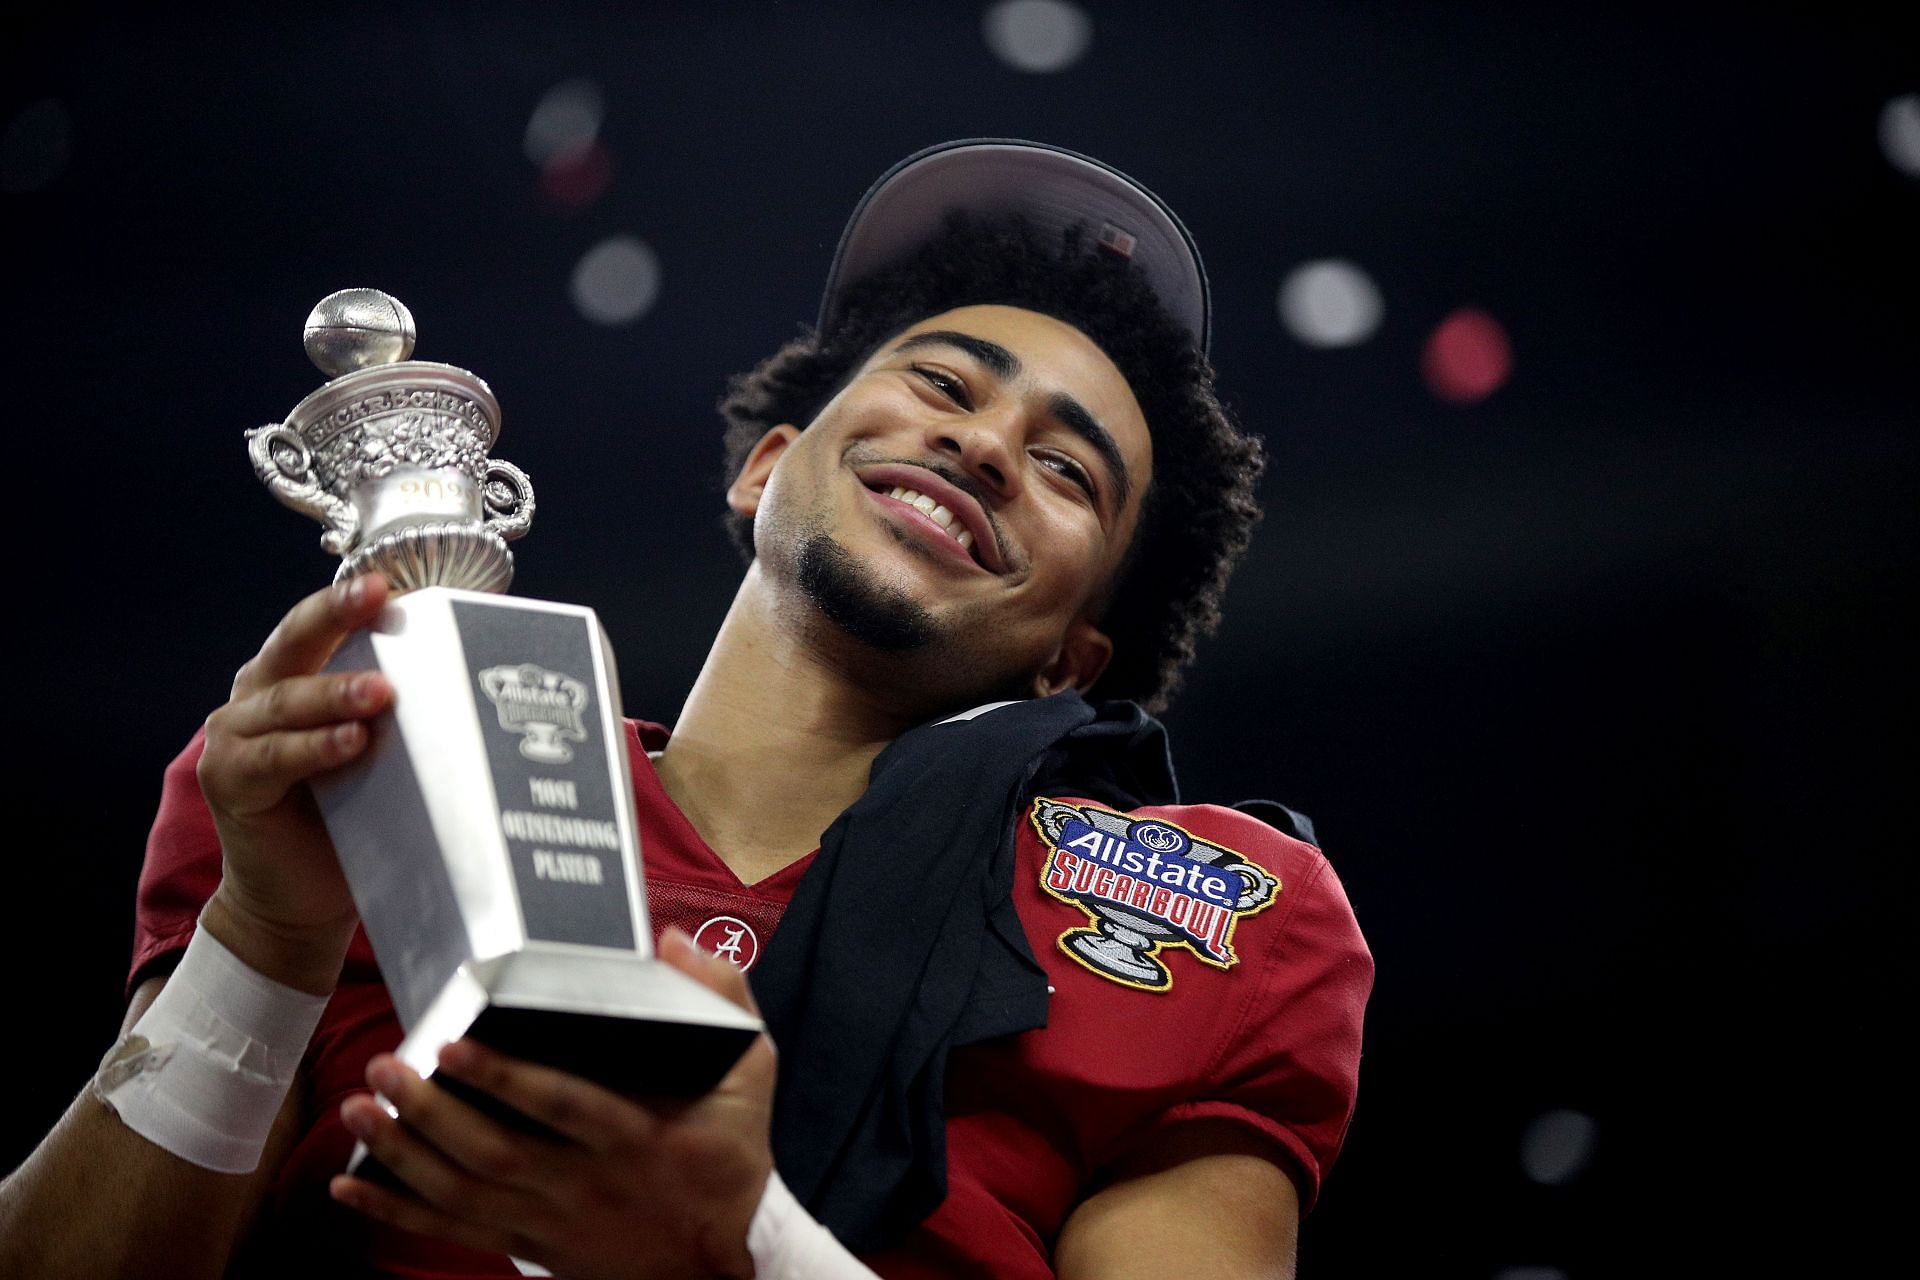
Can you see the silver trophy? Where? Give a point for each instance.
(488, 831)
(391, 455)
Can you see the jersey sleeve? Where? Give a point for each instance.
(1288, 1065)
(183, 866)
(181, 871)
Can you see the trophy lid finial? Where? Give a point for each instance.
(357, 329)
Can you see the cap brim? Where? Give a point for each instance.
(1053, 188)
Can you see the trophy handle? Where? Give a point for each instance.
(285, 465)
(508, 497)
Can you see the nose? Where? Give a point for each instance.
(982, 446)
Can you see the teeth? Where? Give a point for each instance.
(935, 512)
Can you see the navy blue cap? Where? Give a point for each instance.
(1054, 189)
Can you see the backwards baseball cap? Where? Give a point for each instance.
(1051, 187)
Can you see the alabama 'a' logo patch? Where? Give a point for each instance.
(1146, 885)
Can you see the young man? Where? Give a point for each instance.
(1035, 1017)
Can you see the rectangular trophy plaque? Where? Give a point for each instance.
(488, 837)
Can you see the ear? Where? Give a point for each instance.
(743, 495)
(1083, 654)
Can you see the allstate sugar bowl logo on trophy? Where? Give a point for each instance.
(543, 706)
(1145, 885)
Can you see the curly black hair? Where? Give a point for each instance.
(1198, 513)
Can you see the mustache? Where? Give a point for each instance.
(965, 484)
(953, 476)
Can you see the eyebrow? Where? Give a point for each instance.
(1068, 411)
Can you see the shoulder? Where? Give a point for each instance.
(1208, 834)
(1175, 865)
(1234, 953)
(1243, 833)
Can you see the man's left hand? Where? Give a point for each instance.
(627, 1188)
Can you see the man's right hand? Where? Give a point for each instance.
(283, 906)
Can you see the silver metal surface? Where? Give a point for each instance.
(426, 555)
(432, 738)
(358, 328)
(417, 823)
(391, 455)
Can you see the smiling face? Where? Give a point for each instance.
(958, 511)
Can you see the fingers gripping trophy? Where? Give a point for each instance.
(487, 833)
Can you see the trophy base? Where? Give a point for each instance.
(633, 1025)
(469, 556)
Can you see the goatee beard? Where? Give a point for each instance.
(877, 615)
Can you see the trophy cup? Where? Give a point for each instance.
(487, 832)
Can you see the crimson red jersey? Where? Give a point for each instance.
(1202, 966)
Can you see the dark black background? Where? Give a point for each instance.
(1594, 687)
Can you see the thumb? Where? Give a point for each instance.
(710, 971)
(758, 1067)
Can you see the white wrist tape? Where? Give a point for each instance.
(204, 1071)
(787, 1244)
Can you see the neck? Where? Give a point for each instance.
(776, 738)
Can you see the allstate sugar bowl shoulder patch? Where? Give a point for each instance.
(1145, 885)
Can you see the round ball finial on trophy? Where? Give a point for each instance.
(357, 329)
(391, 455)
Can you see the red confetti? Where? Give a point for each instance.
(577, 177)
(1467, 358)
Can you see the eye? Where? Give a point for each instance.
(946, 384)
(1069, 468)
